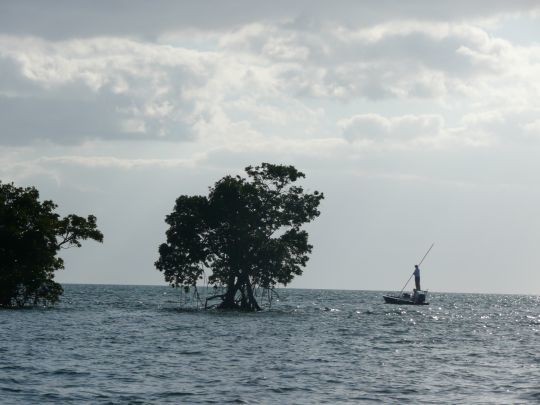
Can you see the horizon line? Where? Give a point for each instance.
(305, 288)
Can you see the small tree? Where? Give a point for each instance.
(31, 235)
(247, 232)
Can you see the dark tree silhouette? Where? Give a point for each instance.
(31, 235)
(247, 232)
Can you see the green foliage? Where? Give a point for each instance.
(31, 235)
(247, 232)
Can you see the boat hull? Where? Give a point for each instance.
(417, 298)
(389, 299)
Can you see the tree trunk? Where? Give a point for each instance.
(247, 301)
(251, 298)
(229, 301)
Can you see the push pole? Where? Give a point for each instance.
(417, 265)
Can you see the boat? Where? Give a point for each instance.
(418, 297)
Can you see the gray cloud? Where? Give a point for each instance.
(80, 18)
(60, 121)
(65, 120)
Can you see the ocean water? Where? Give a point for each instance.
(137, 344)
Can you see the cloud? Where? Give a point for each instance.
(482, 129)
(113, 88)
(56, 169)
(273, 78)
(67, 92)
(137, 18)
(505, 125)
(376, 128)
(115, 162)
(397, 59)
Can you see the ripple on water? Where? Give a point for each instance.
(116, 344)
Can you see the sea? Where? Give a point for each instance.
(110, 344)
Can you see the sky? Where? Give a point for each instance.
(419, 121)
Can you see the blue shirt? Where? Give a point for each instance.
(417, 272)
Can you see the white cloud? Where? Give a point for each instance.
(505, 125)
(396, 59)
(256, 80)
(482, 129)
(141, 19)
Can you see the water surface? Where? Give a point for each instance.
(138, 344)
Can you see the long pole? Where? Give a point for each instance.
(421, 261)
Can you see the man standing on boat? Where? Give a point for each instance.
(417, 277)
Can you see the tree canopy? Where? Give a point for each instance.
(247, 232)
(31, 235)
